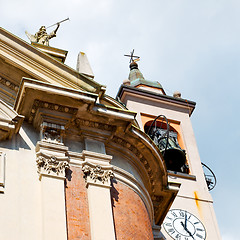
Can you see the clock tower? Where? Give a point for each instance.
(166, 119)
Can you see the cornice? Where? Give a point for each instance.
(10, 121)
(41, 66)
(114, 112)
(34, 95)
(8, 84)
(179, 102)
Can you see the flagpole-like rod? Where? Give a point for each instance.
(58, 22)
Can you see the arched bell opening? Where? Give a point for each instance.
(166, 138)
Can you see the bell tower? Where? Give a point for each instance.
(166, 119)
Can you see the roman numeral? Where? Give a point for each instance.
(174, 214)
(168, 224)
(181, 214)
(171, 230)
(199, 236)
(178, 237)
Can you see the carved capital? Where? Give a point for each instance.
(52, 165)
(97, 174)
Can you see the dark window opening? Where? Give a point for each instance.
(165, 137)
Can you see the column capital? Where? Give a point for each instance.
(97, 174)
(51, 165)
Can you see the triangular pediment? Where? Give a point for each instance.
(19, 59)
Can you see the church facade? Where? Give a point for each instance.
(76, 163)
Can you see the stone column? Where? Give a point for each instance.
(98, 173)
(52, 162)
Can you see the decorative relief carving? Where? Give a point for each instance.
(52, 135)
(52, 132)
(52, 164)
(87, 123)
(97, 173)
(56, 107)
(8, 84)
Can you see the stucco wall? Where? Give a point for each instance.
(20, 204)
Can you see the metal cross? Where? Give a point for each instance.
(132, 56)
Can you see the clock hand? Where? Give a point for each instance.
(185, 219)
(185, 228)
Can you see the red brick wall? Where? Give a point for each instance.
(130, 214)
(77, 206)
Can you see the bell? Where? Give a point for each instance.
(174, 156)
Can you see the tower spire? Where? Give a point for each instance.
(136, 79)
(135, 74)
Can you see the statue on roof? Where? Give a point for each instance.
(42, 37)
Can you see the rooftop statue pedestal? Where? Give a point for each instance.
(56, 53)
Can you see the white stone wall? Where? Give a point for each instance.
(20, 203)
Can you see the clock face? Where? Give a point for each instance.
(182, 225)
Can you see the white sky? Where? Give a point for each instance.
(187, 45)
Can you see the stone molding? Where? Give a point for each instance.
(125, 115)
(96, 158)
(10, 121)
(50, 106)
(88, 123)
(8, 84)
(96, 174)
(157, 235)
(137, 153)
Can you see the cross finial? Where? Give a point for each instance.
(132, 56)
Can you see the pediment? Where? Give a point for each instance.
(18, 59)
